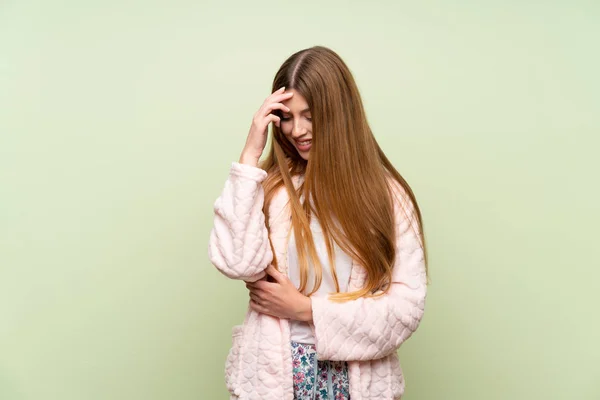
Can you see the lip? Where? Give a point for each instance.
(303, 148)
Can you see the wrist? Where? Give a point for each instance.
(249, 159)
(304, 312)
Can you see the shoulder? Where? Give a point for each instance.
(400, 195)
(406, 214)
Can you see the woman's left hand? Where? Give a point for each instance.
(280, 298)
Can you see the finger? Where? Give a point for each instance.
(278, 276)
(278, 97)
(258, 308)
(255, 298)
(267, 109)
(253, 285)
(284, 95)
(262, 286)
(278, 92)
(255, 290)
(274, 119)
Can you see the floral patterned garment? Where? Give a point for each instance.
(332, 376)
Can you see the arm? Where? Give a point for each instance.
(372, 328)
(239, 242)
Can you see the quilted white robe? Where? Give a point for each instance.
(365, 332)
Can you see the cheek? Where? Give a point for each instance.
(306, 124)
(286, 128)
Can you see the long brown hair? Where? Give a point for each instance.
(347, 176)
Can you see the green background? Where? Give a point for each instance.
(119, 121)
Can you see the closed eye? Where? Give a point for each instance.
(287, 118)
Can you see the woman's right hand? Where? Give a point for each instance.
(257, 137)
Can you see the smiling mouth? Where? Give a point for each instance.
(304, 143)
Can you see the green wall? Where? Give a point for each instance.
(119, 121)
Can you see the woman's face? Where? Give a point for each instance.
(296, 125)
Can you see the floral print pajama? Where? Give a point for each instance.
(331, 376)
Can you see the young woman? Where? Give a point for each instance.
(329, 239)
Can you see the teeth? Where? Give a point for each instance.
(304, 143)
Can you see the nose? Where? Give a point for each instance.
(298, 130)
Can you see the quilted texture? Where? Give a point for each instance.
(239, 245)
(365, 332)
(372, 328)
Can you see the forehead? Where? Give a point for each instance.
(297, 102)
